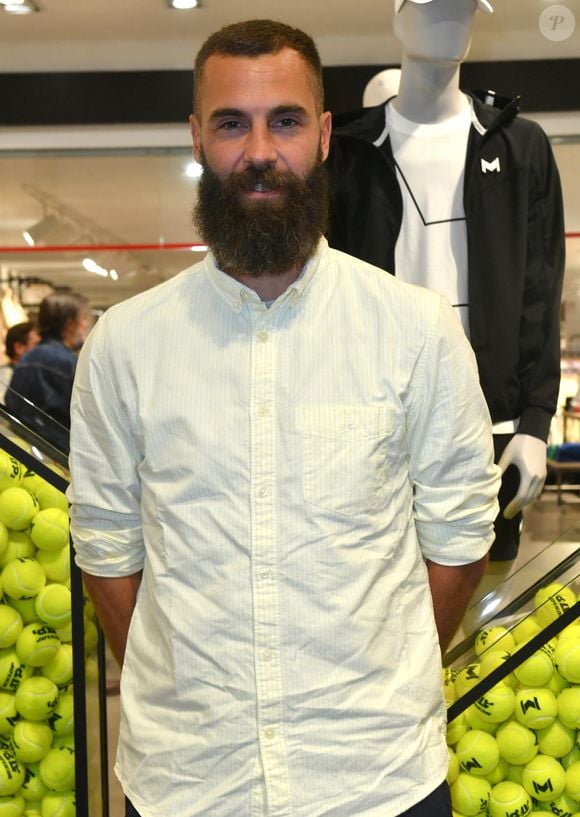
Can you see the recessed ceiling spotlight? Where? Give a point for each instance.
(18, 6)
(182, 5)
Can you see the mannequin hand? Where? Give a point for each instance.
(528, 454)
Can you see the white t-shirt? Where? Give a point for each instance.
(431, 249)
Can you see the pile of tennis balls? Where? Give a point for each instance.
(37, 758)
(516, 751)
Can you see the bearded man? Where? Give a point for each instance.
(281, 524)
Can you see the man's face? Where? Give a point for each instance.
(261, 112)
(20, 349)
(263, 197)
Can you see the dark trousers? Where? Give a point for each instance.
(438, 804)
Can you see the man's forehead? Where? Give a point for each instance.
(277, 79)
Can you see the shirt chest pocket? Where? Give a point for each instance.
(345, 455)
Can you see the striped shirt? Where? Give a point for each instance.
(280, 475)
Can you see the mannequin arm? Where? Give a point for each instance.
(528, 454)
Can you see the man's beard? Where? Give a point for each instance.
(267, 236)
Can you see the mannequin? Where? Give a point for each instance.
(434, 151)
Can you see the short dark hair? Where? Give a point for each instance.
(255, 38)
(56, 310)
(17, 334)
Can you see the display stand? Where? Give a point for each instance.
(88, 682)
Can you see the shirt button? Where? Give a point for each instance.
(263, 492)
(269, 732)
(262, 337)
(266, 655)
(263, 411)
(265, 573)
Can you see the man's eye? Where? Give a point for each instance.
(287, 122)
(230, 124)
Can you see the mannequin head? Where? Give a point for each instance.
(437, 31)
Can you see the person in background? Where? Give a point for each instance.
(280, 526)
(40, 389)
(19, 339)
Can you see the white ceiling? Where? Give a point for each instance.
(147, 198)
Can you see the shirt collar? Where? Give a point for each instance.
(237, 294)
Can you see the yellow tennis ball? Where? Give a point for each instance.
(499, 773)
(491, 639)
(8, 713)
(467, 678)
(556, 739)
(10, 625)
(496, 705)
(31, 741)
(536, 708)
(563, 806)
(11, 471)
(59, 804)
(56, 563)
(19, 545)
(493, 660)
(26, 609)
(17, 508)
(36, 698)
(573, 781)
(4, 535)
(62, 720)
(12, 670)
(477, 753)
(33, 788)
(11, 773)
(60, 669)
(12, 805)
(571, 757)
(456, 729)
(477, 721)
(551, 601)
(517, 744)
(50, 497)
(470, 795)
(536, 670)
(569, 707)
(57, 769)
(527, 628)
(571, 631)
(49, 529)
(453, 768)
(23, 578)
(567, 659)
(543, 778)
(37, 644)
(509, 799)
(557, 683)
(91, 636)
(53, 605)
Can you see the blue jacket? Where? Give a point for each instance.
(44, 376)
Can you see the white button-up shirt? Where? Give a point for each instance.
(280, 475)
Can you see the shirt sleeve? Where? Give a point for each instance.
(105, 491)
(455, 481)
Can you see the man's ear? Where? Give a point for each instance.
(325, 131)
(195, 136)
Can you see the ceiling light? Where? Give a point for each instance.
(182, 5)
(18, 6)
(194, 170)
(91, 266)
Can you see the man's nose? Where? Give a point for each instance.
(260, 148)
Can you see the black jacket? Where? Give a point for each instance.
(515, 235)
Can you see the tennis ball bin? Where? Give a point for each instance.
(512, 676)
(53, 738)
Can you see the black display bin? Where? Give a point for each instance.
(511, 601)
(39, 457)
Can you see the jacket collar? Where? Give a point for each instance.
(369, 123)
